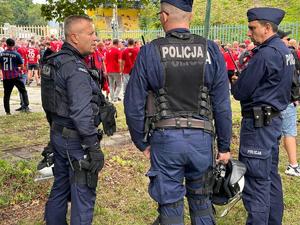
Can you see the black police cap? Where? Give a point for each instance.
(274, 15)
(185, 5)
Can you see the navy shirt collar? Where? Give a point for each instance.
(178, 30)
(266, 42)
(69, 47)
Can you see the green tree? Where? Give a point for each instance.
(6, 14)
(149, 18)
(60, 9)
(21, 12)
(34, 15)
(223, 11)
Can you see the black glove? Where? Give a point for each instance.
(48, 157)
(96, 158)
(108, 114)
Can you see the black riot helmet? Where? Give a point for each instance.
(229, 182)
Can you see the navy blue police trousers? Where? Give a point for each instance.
(64, 189)
(179, 155)
(259, 150)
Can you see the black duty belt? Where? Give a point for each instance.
(250, 114)
(66, 132)
(184, 123)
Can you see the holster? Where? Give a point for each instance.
(258, 117)
(82, 174)
(262, 115)
(150, 113)
(91, 179)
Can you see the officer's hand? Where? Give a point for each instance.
(146, 152)
(108, 113)
(224, 157)
(96, 159)
(234, 78)
(48, 150)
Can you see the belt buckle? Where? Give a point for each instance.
(177, 123)
(189, 122)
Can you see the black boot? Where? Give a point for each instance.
(19, 109)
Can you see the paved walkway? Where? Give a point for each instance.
(34, 95)
(35, 104)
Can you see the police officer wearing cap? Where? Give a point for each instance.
(264, 90)
(70, 98)
(182, 78)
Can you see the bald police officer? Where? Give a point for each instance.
(263, 89)
(71, 99)
(187, 75)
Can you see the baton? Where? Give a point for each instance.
(235, 65)
(143, 39)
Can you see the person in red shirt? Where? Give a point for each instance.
(298, 49)
(102, 52)
(137, 45)
(33, 57)
(113, 68)
(229, 62)
(55, 45)
(96, 61)
(3, 45)
(128, 58)
(245, 56)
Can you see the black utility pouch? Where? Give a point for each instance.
(91, 179)
(258, 115)
(267, 115)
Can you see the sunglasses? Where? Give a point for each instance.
(162, 11)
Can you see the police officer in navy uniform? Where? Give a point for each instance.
(186, 75)
(263, 89)
(73, 117)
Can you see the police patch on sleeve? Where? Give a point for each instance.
(82, 70)
(46, 70)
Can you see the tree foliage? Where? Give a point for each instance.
(6, 14)
(21, 12)
(149, 18)
(60, 9)
(222, 12)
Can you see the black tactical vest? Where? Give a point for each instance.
(54, 97)
(183, 56)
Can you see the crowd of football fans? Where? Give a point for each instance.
(237, 54)
(115, 58)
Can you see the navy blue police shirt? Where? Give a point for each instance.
(267, 79)
(76, 80)
(147, 74)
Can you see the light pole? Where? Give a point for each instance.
(114, 22)
(207, 18)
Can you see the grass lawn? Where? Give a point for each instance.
(122, 197)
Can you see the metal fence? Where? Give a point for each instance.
(27, 32)
(225, 33)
